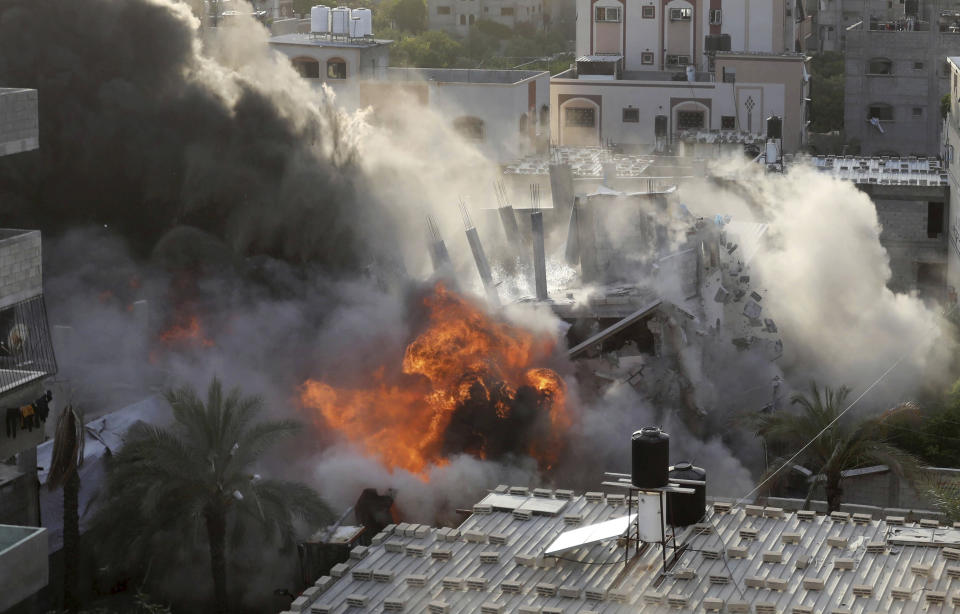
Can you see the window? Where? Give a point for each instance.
(646, 57)
(729, 75)
(881, 111)
(580, 117)
(470, 128)
(544, 115)
(463, 20)
(523, 123)
(648, 12)
(687, 120)
(307, 67)
(506, 11)
(917, 112)
(716, 17)
(934, 220)
(678, 60)
(918, 65)
(336, 69)
(443, 10)
(681, 14)
(728, 122)
(486, 9)
(471, 19)
(607, 13)
(631, 115)
(880, 66)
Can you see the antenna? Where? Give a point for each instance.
(432, 228)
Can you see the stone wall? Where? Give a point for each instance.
(20, 266)
(19, 122)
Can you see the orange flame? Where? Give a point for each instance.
(462, 353)
(186, 333)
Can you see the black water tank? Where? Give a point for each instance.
(774, 127)
(660, 125)
(651, 458)
(686, 509)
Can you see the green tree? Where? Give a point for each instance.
(196, 478)
(432, 49)
(407, 15)
(67, 457)
(846, 444)
(826, 91)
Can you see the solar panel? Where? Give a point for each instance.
(568, 540)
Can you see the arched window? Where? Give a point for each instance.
(307, 67)
(879, 66)
(544, 115)
(523, 123)
(881, 111)
(336, 68)
(471, 128)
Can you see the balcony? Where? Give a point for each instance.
(23, 563)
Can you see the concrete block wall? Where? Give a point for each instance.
(21, 274)
(19, 121)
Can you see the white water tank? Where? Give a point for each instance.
(365, 17)
(691, 74)
(356, 29)
(320, 19)
(340, 21)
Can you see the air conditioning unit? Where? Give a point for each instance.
(680, 14)
(683, 60)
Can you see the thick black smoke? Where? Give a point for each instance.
(140, 131)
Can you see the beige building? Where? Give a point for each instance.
(699, 65)
(458, 16)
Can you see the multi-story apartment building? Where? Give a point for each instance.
(700, 64)
(896, 74)
(26, 362)
(457, 16)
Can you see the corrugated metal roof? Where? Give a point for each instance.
(884, 170)
(750, 559)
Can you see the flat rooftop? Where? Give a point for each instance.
(310, 40)
(720, 136)
(583, 161)
(884, 170)
(749, 559)
(462, 75)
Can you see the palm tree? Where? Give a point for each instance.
(67, 457)
(847, 444)
(196, 478)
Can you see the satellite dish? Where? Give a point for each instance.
(17, 338)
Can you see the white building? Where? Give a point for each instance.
(504, 112)
(700, 64)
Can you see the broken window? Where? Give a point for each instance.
(631, 115)
(307, 67)
(881, 111)
(880, 66)
(934, 220)
(580, 117)
(689, 120)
